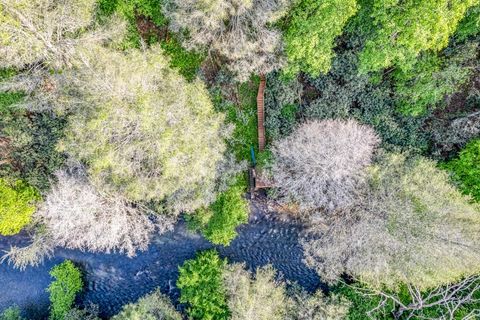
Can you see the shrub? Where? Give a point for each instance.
(282, 98)
(410, 226)
(154, 306)
(321, 165)
(63, 290)
(219, 221)
(466, 169)
(32, 146)
(201, 286)
(11, 313)
(17, 205)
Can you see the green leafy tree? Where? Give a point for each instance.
(466, 169)
(201, 286)
(154, 306)
(470, 25)
(433, 77)
(141, 140)
(63, 290)
(310, 35)
(219, 220)
(17, 204)
(403, 29)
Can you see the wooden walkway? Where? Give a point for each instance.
(261, 113)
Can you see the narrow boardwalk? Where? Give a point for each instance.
(261, 113)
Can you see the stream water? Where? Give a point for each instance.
(113, 280)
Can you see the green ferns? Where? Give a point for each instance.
(17, 204)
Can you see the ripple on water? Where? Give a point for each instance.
(113, 280)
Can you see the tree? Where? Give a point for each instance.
(219, 221)
(453, 301)
(321, 165)
(410, 226)
(143, 130)
(311, 32)
(466, 169)
(433, 77)
(404, 29)
(237, 30)
(41, 30)
(154, 306)
(78, 216)
(316, 306)
(17, 205)
(63, 290)
(201, 286)
(258, 296)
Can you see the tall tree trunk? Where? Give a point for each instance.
(261, 113)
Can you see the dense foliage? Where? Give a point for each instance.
(466, 169)
(201, 286)
(138, 139)
(218, 221)
(401, 30)
(311, 32)
(17, 204)
(63, 290)
(409, 218)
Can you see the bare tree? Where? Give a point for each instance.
(448, 300)
(76, 215)
(322, 164)
(238, 30)
(316, 306)
(410, 226)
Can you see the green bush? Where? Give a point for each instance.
(17, 204)
(201, 286)
(466, 169)
(32, 145)
(219, 221)
(12, 313)
(63, 290)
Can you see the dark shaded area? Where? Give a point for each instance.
(113, 280)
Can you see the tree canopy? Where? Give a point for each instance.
(404, 29)
(311, 32)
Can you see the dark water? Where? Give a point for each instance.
(113, 280)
